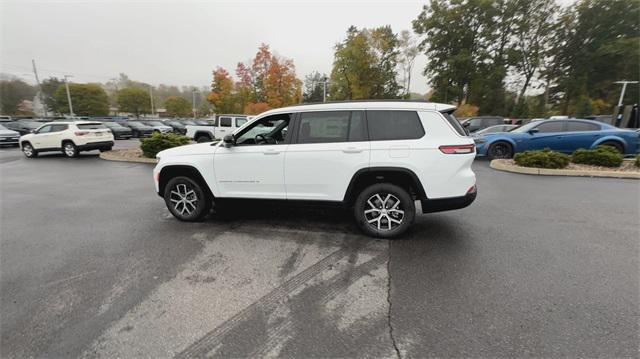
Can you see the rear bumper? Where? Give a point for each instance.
(447, 204)
(95, 145)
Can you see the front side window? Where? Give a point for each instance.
(45, 129)
(225, 121)
(267, 130)
(394, 125)
(549, 127)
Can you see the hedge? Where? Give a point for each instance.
(150, 146)
(606, 156)
(542, 159)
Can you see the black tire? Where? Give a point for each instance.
(499, 150)
(30, 152)
(69, 149)
(203, 138)
(384, 211)
(617, 145)
(197, 205)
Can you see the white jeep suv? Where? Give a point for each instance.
(376, 157)
(69, 137)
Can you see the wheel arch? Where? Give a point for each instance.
(171, 171)
(617, 139)
(400, 176)
(203, 133)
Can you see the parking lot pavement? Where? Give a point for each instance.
(93, 265)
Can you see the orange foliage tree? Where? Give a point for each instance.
(269, 82)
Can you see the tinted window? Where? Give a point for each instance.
(394, 125)
(324, 127)
(455, 124)
(45, 129)
(91, 126)
(267, 130)
(225, 121)
(58, 128)
(240, 121)
(582, 126)
(357, 127)
(555, 126)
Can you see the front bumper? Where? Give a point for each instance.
(9, 141)
(447, 204)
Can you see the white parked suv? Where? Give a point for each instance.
(221, 126)
(69, 137)
(376, 157)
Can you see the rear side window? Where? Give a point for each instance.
(582, 126)
(394, 125)
(547, 127)
(324, 127)
(455, 124)
(91, 126)
(240, 121)
(58, 128)
(225, 121)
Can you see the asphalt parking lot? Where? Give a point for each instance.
(93, 265)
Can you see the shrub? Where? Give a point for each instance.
(638, 161)
(605, 156)
(542, 159)
(161, 141)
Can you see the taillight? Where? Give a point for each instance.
(81, 133)
(473, 189)
(457, 149)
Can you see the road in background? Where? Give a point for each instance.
(92, 264)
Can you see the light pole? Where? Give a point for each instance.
(66, 84)
(324, 89)
(151, 99)
(624, 88)
(193, 102)
(115, 84)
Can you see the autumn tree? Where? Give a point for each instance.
(87, 100)
(364, 65)
(177, 106)
(222, 95)
(134, 100)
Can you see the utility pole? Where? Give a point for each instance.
(151, 98)
(66, 84)
(324, 89)
(35, 72)
(115, 84)
(624, 88)
(193, 102)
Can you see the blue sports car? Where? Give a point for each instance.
(565, 135)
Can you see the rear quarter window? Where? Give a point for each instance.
(394, 125)
(455, 124)
(91, 126)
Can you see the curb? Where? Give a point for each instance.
(504, 165)
(113, 156)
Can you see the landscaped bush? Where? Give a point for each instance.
(605, 156)
(638, 161)
(542, 159)
(161, 141)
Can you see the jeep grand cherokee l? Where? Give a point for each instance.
(376, 158)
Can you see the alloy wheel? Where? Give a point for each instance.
(500, 150)
(384, 211)
(69, 150)
(184, 199)
(28, 150)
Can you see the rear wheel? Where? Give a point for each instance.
(69, 149)
(186, 199)
(617, 145)
(203, 138)
(29, 151)
(500, 150)
(384, 210)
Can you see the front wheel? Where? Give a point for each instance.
(186, 199)
(384, 210)
(29, 151)
(69, 149)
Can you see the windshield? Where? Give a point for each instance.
(112, 124)
(136, 124)
(155, 123)
(3, 128)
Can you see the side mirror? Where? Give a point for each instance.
(228, 141)
(533, 130)
(466, 124)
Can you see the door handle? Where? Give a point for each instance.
(270, 152)
(352, 150)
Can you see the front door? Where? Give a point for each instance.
(254, 166)
(42, 137)
(550, 135)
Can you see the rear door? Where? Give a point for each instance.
(328, 148)
(580, 135)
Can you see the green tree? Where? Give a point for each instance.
(12, 93)
(364, 65)
(49, 87)
(177, 106)
(134, 100)
(314, 87)
(87, 100)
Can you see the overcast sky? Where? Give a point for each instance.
(179, 42)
